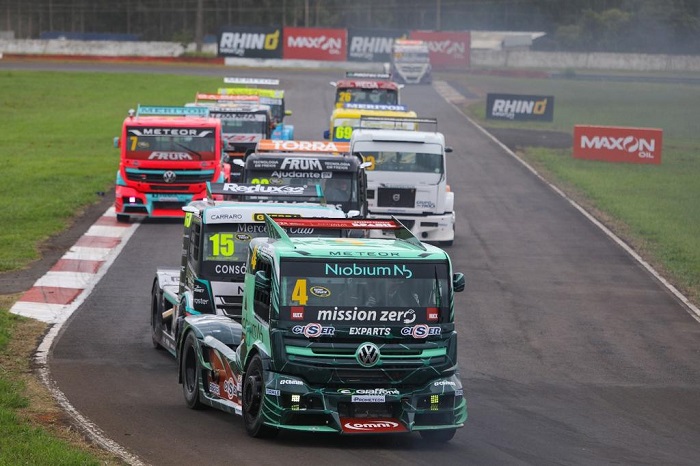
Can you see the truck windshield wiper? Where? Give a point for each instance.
(191, 151)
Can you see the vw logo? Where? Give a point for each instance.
(169, 176)
(396, 197)
(367, 354)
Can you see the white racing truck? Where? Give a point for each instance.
(410, 62)
(406, 176)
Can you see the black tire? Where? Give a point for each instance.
(438, 436)
(121, 218)
(253, 395)
(191, 372)
(156, 317)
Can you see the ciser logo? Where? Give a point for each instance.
(618, 144)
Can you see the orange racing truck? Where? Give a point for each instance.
(168, 154)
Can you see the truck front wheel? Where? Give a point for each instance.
(191, 372)
(253, 395)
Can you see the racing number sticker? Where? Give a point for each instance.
(260, 181)
(371, 159)
(344, 96)
(299, 293)
(134, 140)
(222, 244)
(342, 133)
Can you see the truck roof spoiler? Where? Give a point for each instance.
(151, 110)
(366, 75)
(313, 191)
(402, 123)
(244, 81)
(279, 145)
(269, 93)
(276, 231)
(393, 108)
(226, 97)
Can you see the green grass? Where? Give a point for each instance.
(57, 152)
(656, 207)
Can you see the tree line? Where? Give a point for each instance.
(643, 26)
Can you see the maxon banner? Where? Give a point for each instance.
(618, 144)
(315, 44)
(520, 107)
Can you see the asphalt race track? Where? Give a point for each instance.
(571, 353)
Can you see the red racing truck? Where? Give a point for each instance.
(168, 154)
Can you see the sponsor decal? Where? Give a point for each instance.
(370, 331)
(231, 269)
(350, 315)
(320, 291)
(368, 399)
(421, 331)
(372, 44)
(251, 42)
(175, 156)
(424, 204)
(260, 217)
(187, 132)
(315, 44)
(618, 144)
(291, 382)
(243, 237)
(261, 189)
(313, 330)
(230, 388)
(355, 270)
(214, 389)
(226, 216)
(302, 146)
(370, 425)
(433, 314)
(297, 313)
(443, 383)
(519, 107)
(272, 392)
(300, 163)
(364, 253)
(370, 391)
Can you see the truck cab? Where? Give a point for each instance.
(340, 175)
(407, 176)
(167, 155)
(366, 88)
(338, 335)
(410, 61)
(215, 241)
(274, 98)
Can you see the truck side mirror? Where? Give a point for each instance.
(239, 162)
(327, 134)
(287, 112)
(448, 149)
(116, 142)
(262, 280)
(458, 282)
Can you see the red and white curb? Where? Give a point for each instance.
(56, 295)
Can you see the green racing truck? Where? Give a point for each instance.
(344, 335)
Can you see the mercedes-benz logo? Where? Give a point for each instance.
(367, 354)
(169, 176)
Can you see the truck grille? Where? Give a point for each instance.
(396, 197)
(181, 177)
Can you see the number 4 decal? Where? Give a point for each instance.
(299, 293)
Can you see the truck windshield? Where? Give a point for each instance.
(171, 144)
(390, 161)
(225, 249)
(367, 96)
(360, 291)
(234, 125)
(412, 57)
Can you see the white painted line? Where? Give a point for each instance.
(65, 279)
(45, 312)
(689, 306)
(105, 230)
(88, 254)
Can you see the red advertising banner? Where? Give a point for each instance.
(448, 49)
(618, 144)
(315, 44)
